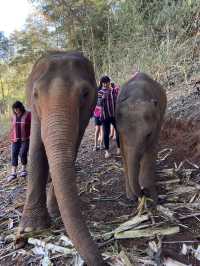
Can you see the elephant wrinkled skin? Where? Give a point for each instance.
(61, 91)
(139, 114)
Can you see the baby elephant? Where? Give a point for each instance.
(139, 114)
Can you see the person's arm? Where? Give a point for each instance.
(101, 97)
(29, 119)
(117, 90)
(115, 94)
(11, 129)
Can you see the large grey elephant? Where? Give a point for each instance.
(139, 114)
(62, 93)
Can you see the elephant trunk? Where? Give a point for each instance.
(60, 134)
(134, 158)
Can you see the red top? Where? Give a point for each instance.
(21, 126)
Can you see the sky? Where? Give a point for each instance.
(13, 14)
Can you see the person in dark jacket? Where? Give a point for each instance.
(108, 97)
(20, 134)
(112, 130)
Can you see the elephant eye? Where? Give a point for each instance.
(35, 93)
(84, 95)
(155, 102)
(149, 135)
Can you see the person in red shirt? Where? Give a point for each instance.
(20, 134)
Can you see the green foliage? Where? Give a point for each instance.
(4, 47)
(25, 47)
(155, 35)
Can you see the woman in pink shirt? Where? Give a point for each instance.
(98, 137)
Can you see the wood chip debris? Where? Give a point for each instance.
(180, 193)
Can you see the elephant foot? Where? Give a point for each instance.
(33, 220)
(147, 201)
(54, 212)
(130, 196)
(129, 201)
(151, 193)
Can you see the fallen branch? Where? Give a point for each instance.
(183, 205)
(171, 262)
(189, 216)
(52, 247)
(184, 189)
(169, 182)
(166, 212)
(7, 255)
(163, 154)
(180, 241)
(150, 232)
(125, 258)
(133, 222)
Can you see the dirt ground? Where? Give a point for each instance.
(103, 201)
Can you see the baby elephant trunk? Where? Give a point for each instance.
(134, 158)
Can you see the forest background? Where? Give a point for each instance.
(160, 37)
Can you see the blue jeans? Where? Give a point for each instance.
(19, 149)
(106, 131)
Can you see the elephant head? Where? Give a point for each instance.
(62, 92)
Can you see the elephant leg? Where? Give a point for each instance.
(52, 203)
(35, 215)
(147, 174)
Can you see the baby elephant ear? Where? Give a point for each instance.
(154, 101)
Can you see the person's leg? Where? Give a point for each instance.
(14, 170)
(23, 156)
(96, 136)
(117, 135)
(112, 132)
(106, 134)
(15, 148)
(101, 136)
